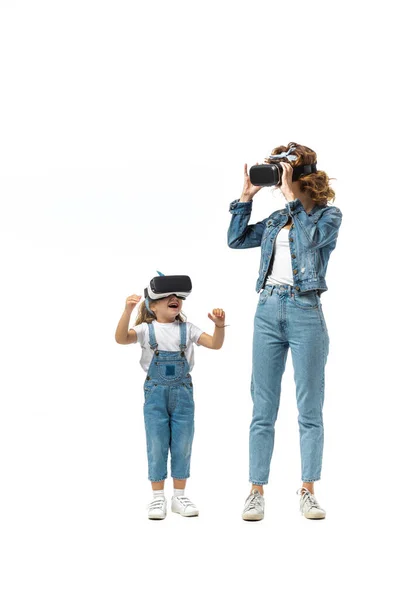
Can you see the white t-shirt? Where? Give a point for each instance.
(167, 338)
(281, 272)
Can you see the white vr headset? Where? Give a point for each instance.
(166, 285)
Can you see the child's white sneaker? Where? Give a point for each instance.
(183, 506)
(158, 508)
(309, 506)
(254, 507)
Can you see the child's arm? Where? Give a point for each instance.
(122, 335)
(214, 342)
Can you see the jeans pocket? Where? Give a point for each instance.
(309, 300)
(148, 389)
(185, 399)
(263, 297)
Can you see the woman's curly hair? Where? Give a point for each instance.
(316, 185)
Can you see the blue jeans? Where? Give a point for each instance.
(283, 320)
(168, 411)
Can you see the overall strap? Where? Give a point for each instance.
(152, 338)
(182, 330)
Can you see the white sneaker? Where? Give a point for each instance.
(158, 508)
(309, 506)
(254, 507)
(183, 506)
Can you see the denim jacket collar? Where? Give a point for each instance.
(296, 206)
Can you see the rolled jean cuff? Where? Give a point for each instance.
(157, 480)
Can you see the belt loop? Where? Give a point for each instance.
(271, 290)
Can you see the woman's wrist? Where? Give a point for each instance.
(290, 197)
(245, 198)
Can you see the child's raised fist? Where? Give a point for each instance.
(131, 302)
(218, 316)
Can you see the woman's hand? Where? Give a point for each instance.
(217, 316)
(131, 302)
(286, 185)
(248, 188)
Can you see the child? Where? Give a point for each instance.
(167, 341)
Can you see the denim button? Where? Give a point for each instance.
(293, 256)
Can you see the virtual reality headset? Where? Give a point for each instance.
(161, 287)
(271, 174)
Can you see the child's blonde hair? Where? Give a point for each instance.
(144, 316)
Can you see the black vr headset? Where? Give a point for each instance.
(165, 285)
(271, 174)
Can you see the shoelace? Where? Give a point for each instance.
(308, 499)
(254, 501)
(185, 501)
(157, 503)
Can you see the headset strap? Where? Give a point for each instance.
(304, 170)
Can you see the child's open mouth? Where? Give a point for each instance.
(173, 305)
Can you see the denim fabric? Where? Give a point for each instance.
(168, 411)
(312, 238)
(285, 319)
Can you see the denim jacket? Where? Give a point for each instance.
(312, 237)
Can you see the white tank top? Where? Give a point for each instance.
(281, 272)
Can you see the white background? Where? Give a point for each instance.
(124, 130)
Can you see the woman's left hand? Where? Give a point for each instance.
(286, 185)
(218, 316)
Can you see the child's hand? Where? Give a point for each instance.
(131, 302)
(218, 316)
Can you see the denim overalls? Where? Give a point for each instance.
(168, 410)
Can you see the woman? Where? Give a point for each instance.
(296, 243)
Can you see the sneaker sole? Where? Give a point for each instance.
(315, 517)
(193, 514)
(252, 517)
